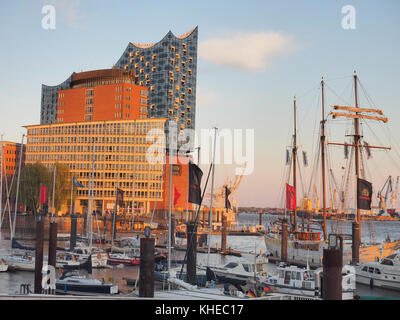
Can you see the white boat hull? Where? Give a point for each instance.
(312, 251)
(3, 267)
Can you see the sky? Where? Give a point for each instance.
(253, 58)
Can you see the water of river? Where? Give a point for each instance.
(10, 281)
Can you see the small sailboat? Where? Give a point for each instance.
(72, 283)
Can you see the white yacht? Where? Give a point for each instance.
(382, 274)
(243, 269)
(291, 279)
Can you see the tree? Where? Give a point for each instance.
(32, 177)
(62, 187)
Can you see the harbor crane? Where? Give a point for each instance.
(219, 193)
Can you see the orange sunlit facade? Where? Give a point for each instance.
(109, 94)
(118, 157)
(11, 152)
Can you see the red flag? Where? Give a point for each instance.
(176, 196)
(290, 197)
(43, 194)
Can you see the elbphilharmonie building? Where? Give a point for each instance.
(168, 69)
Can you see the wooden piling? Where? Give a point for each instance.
(72, 241)
(355, 243)
(52, 244)
(223, 234)
(284, 238)
(332, 274)
(39, 256)
(191, 247)
(146, 278)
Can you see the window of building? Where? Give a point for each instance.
(172, 49)
(142, 58)
(152, 88)
(190, 60)
(170, 92)
(153, 69)
(147, 76)
(170, 112)
(147, 64)
(189, 90)
(137, 53)
(154, 56)
(136, 65)
(171, 80)
(126, 67)
(177, 56)
(177, 69)
(131, 60)
(177, 88)
(188, 108)
(152, 106)
(141, 71)
(188, 121)
(190, 71)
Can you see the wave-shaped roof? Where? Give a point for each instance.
(149, 45)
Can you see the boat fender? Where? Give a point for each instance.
(371, 283)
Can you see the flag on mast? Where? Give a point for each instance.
(43, 194)
(177, 194)
(290, 197)
(227, 202)
(195, 175)
(364, 192)
(76, 183)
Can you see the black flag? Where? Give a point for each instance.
(227, 202)
(195, 175)
(120, 197)
(364, 194)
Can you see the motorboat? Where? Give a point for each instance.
(242, 269)
(384, 273)
(294, 280)
(99, 258)
(122, 258)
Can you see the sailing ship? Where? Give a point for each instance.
(306, 245)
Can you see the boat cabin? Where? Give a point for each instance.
(308, 236)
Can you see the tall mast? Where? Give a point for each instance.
(16, 197)
(212, 195)
(323, 158)
(294, 151)
(356, 149)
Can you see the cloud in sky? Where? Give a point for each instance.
(248, 51)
